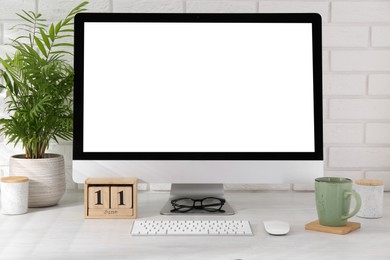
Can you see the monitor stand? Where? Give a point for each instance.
(196, 191)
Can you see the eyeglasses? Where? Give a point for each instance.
(209, 204)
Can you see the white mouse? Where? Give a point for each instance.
(276, 228)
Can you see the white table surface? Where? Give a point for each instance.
(61, 232)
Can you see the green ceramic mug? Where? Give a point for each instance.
(333, 199)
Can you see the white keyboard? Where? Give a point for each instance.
(191, 227)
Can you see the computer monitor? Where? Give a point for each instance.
(198, 99)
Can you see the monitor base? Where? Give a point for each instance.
(196, 191)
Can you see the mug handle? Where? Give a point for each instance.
(358, 204)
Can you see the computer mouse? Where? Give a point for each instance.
(276, 228)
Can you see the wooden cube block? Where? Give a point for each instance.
(99, 197)
(121, 197)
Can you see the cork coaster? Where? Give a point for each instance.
(316, 226)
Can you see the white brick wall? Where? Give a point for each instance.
(8, 8)
(343, 133)
(363, 109)
(356, 60)
(148, 6)
(379, 84)
(381, 36)
(369, 11)
(350, 84)
(359, 157)
(1, 35)
(378, 133)
(326, 61)
(345, 36)
(360, 60)
(54, 10)
(195, 6)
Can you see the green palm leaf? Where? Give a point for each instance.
(38, 82)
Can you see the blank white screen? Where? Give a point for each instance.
(198, 87)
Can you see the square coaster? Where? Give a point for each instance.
(316, 226)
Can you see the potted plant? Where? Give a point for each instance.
(38, 81)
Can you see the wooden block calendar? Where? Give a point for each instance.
(110, 198)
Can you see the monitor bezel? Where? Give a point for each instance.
(81, 18)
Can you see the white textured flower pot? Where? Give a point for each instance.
(47, 178)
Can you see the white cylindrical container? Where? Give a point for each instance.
(14, 195)
(371, 193)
